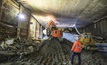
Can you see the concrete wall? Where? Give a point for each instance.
(8, 19)
(36, 30)
(13, 26)
(99, 28)
(24, 23)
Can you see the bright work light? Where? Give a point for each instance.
(21, 16)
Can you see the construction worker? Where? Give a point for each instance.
(76, 50)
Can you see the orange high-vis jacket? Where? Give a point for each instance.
(77, 47)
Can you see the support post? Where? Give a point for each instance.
(28, 27)
(19, 22)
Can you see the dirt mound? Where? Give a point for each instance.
(53, 52)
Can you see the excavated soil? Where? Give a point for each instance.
(52, 52)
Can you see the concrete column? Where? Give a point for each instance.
(37, 30)
(28, 27)
(41, 32)
(19, 23)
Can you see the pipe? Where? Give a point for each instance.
(100, 19)
(77, 30)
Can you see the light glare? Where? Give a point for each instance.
(21, 16)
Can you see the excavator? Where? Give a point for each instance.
(88, 42)
(53, 32)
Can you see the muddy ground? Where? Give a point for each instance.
(48, 52)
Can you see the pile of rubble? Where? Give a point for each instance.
(50, 52)
(90, 58)
(17, 47)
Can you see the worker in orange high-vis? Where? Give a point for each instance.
(76, 50)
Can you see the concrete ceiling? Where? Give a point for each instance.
(66, 13)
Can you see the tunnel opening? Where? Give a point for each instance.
(23, 41)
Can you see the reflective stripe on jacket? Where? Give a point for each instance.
(77, 47)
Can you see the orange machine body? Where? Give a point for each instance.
(51, 23)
